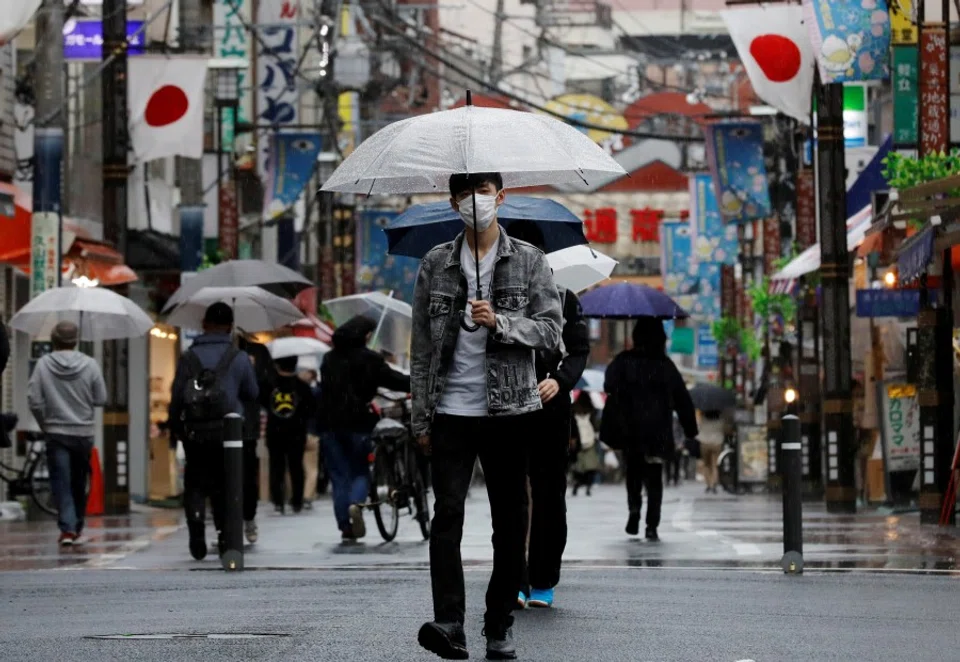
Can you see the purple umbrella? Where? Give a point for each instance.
(628, 301)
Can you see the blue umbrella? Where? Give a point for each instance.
(629, 301)
(414, 232)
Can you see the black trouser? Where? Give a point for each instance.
(500, 445)
(641, 473)
(549, 447)
(286, 455)
(203, 479)
(251, 479)
(671, 467)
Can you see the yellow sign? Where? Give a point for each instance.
(903, 21)
(590, 110)
(896, 391)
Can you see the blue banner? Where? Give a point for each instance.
(735, 156)
(677, 265)
(47, 169)
(888, 303)
(706, 304)
(851, 39)
(707, 354)
(191, 237)
(375, 269)
(288, 248)
(713, 240)
(83, 39)
(292, 159)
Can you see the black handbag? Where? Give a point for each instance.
(613, 428)
(692, 447)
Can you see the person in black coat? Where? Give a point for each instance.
(350, 376)
(645, 388)
(266, 375)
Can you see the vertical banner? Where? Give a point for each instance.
(851, 39)
(934, 92)
(277, 94)
(288, 248)
(905, 95)
(713, 240)
(707, 356)
(735, 157)
(903, 21)
(901, 427)
(191, 238)
(376, 270)
(45, 226)
(228, 218)
(771, 243)
(677, 266)
(806, 231)
(291, 162)
(232, 41)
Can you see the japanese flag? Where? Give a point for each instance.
(774, 46)
(165, 98)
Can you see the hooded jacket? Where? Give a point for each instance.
(350, 376)
(64, 389)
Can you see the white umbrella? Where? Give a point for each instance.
(579, 267)
(394, 318)
(100, 314)
(296, 346)
(254, 309)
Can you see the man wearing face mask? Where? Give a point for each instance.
(474, 387)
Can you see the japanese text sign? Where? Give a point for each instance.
(934, 93)
(600, 225)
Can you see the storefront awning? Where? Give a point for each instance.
(915, 254)
(809, 260)
(98, 261)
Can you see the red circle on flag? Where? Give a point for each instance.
(166, 106)
(778, 56)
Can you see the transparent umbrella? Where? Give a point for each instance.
(100, 314)
(275, 278)
(254, 309)
(394, 318)
(296, 346)
(579, 267)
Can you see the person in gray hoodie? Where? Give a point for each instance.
(65, 388)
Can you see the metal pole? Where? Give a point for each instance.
(190, 177)
(792, 472)
(231, 557)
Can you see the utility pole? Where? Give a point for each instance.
(496, 60)
(116, 415)
(190, 173)
(841, 493)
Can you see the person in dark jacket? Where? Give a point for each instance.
(351, 374)
(203, 476)
(647, 388)
(264, 370)
(290, 406)
(558, 372)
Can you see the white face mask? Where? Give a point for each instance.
(486, 211)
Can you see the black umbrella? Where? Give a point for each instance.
(710, 397)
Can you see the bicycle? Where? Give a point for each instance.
(399, 475)
(32, 479)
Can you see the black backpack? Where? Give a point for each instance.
(204, 400)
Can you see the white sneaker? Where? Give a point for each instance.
(356, 522)
(251, 531)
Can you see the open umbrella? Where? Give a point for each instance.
(275, 278)
(99, 314)
(580, 267)
(254, 309)
(419, 154)
(394, 318)
(710, 397)
(421, 227)
(629, 301)
(296, 346)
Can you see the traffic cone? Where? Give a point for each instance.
(95, 500)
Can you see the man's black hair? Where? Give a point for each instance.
(286, 364)
(461, 183)
(527, 231)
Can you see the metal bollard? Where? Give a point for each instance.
(232, 557)
(792, 472)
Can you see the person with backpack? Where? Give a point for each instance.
(290, 406)
(351, 374)
(213, 379)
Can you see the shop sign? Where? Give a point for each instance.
(903, 21)
(232, 41)
(646, 224)
(707, 354)
(43, 254)
(753, 454)
(888, 303)
(771, 243)
(228, 221)
(806, 210)
(855, 116)
(905, 112)
(83, 40)
(934, 92)
(600, 225)
(901, 427)
(277, 94)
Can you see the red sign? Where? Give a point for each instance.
(934, 93)
(771, 243)
(228, 219)
(600, 225)
(728, 300)
(806, 210)
(646, 224)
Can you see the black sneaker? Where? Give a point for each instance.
(633, 524)
(198, 540)
(446, 640)
(652, 535)
(500, 643)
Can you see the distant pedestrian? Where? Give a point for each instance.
(290, 406)
(713, 430)
(65, 388)
(586, 463)
(645, 388)
(214, 378)
(311, 457)
(350, 376)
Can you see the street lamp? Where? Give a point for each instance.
(227, 103)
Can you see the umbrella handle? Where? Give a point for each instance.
(468, 326)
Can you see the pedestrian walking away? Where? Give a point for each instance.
(265, 373)
(213, 379)
(583, 444)
(312, 458)
(350, 374)
(475, 385)
(290, 406)
(644, 388)
(558, 371)
(63, 392)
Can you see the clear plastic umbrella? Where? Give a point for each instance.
(254, 309)
(100, 314)
(394, 318)
(296, 346)
(579, 267)
(275, 278)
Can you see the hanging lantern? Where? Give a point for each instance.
(14, 16)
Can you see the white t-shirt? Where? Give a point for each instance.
(465, 393)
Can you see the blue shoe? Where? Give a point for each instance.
(541, 597)
(522, 600)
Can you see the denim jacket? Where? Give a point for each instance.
(527, 306)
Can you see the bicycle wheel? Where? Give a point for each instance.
(383, 486)
(38, 477)
(421, 494)
(727, 469)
